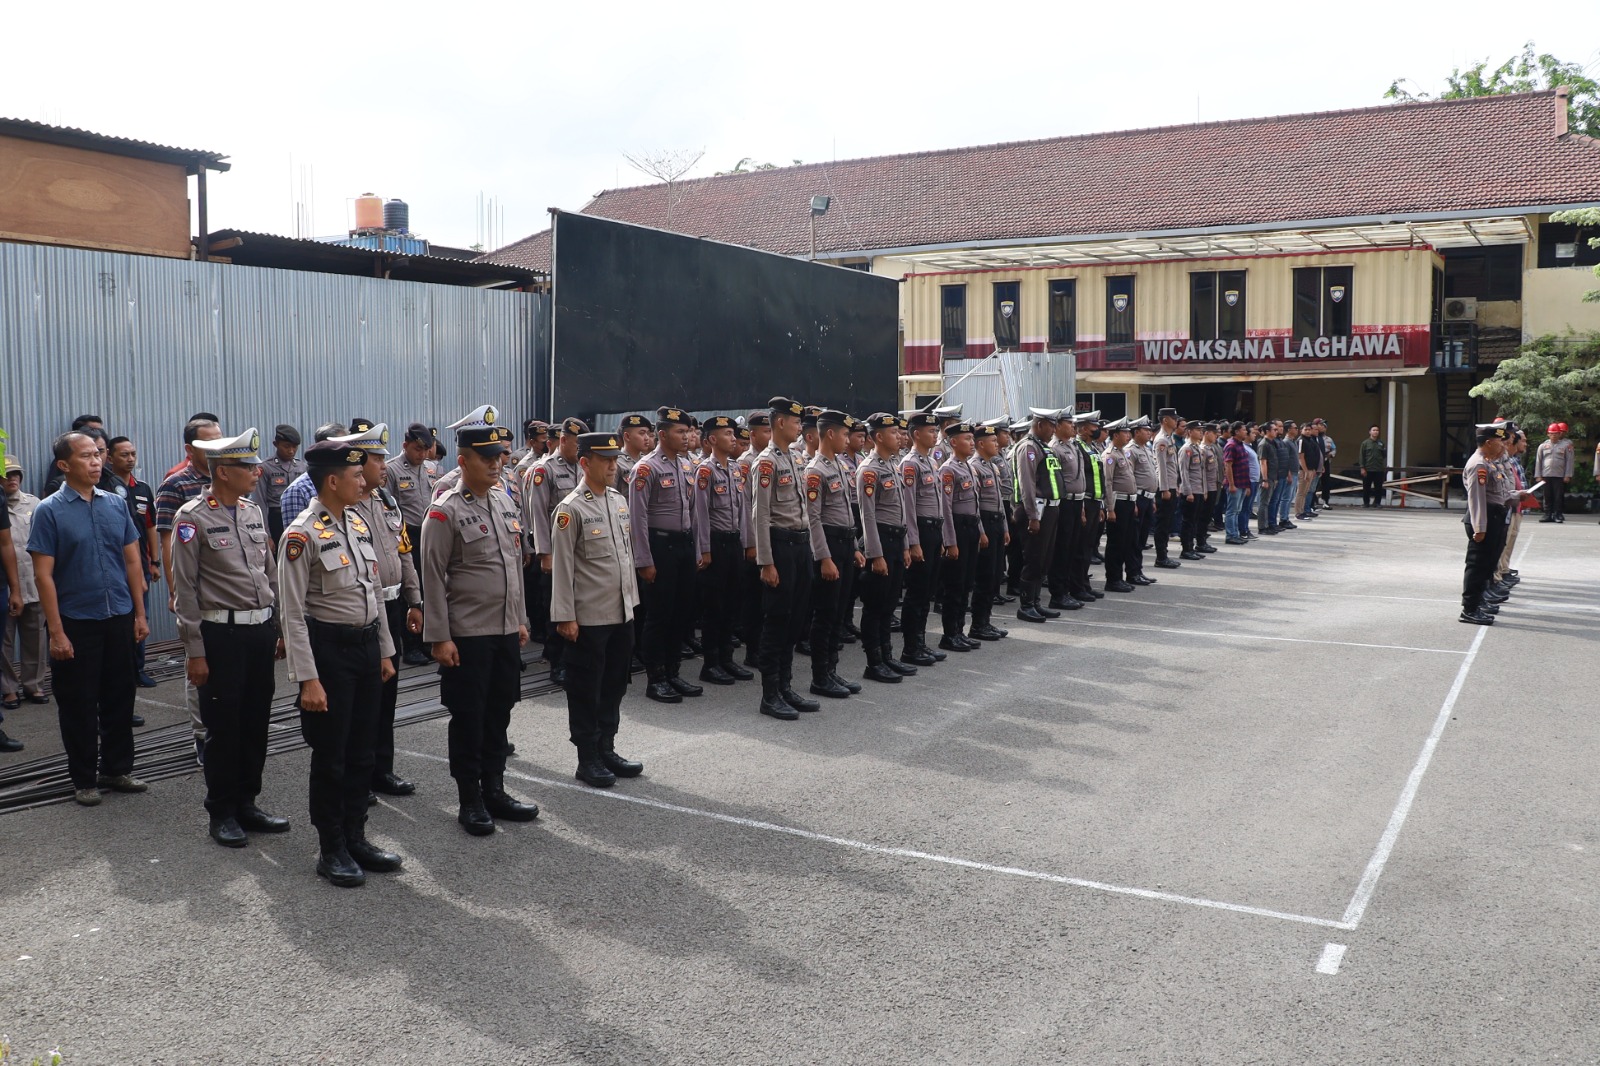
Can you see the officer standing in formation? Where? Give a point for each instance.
(722, 533)
(1489, 492)
(225, 585)
(1070, 529)
(476, 621)
(410, 481)
(831, 525)
(594, 590)
(661, 508)
(548, 480)
(930, 506)
(782, 537)
(963, 532)
(887, 535)
(1146, 484)
(1121, 517)
(992, 480)
(400, 590)
(338, 650)
(1165, 452)
(1037, 501)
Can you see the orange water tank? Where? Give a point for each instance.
(369, 211)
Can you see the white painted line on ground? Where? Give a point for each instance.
(1042, 635)
(1332, 956)
(159, 703)
(908, 853)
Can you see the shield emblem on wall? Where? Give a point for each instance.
(1007, 308)
(1231, 297)
(1336, 293)
(1119, 302)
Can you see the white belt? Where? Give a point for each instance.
(1052, 503)
(237, 618)
(391, 592)
(1126, 495)
(1150, 495)
(1076, 496)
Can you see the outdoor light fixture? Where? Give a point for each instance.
(819, 204)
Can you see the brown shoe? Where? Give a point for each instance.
(123, 783)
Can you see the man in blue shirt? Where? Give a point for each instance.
(86, 564)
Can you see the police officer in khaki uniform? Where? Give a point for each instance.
(832, 527)
(1146, 485)
(721, 532)
(886, 536)
(1488, 494)
(661, 508)
(548, 481)
(410, 481)
(225, 585)
(1070, 524)
(963, 530)
(476, 621)
(1037, 503)
(781, 532)
(990, 468)
(931, 507)
(1165, 449)
(594, 591)
(277, 474)
(400, 590)
(1121, 516)
(338, 650)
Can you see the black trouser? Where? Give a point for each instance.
(881, 592)
(959, 575)
(1120, 542)
(1190, 525)
(1166, 509)
(1013, 552)
(991, 567)
(235, 704)
(1144, 509)
(275, 524)
(1372, 487)
(720, 594)
(1555, 496)
(1064, 555)
(413, 641)
(1087, 537)
(1327, 487)
(383, 731)
(1036, 553)
(1202, 528)
(750, 587)
(920, 578)
(479, 695)
(831, 600)
(668, 602)
(341, 737)
(1482, 558)
(599, 665)
(94, 693)
(781, 620)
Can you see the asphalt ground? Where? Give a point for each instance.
(1280, 807)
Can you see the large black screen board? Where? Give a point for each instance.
(642, 318)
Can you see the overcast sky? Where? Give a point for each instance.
(535, 105)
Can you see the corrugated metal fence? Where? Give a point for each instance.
(145, 342)
(1008, 383)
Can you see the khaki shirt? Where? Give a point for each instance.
(472, 567)
(1144, 467)
(396, 576)
(1166, 452)
(327, 570)
(1070, 457)
(411, 485)
(828, 502)
(721, 503)
(777, 501)
(592, 577)
(221, 561)
(548, 481)
(1192, 469)
(276, 475)
(1118, 475)
(21, 507)
(885, 500)
(1554, 459)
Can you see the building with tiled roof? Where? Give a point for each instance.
(1423, 224)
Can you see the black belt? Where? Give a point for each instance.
(930, 522)
(838, 531)
(965, 519)
(725, 534)
(893, 531)
(671, 536)
(993, 516)
(790, 536)
(343, 634)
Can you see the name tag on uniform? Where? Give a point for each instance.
(665, 482)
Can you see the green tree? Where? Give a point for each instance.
(1552, 379)
(1586, 218)
(1524, 72)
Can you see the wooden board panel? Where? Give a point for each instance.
(59, 195)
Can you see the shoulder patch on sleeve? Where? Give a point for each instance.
(949, 477)
(703, 478)
(1483, 475)
(435, 513)
(538, 475)
(813, 479)
(294, 545)
(185, 531)
(563, 519)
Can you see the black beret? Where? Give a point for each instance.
(779, 405)
(330, 455)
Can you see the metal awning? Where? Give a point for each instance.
(1437, 233)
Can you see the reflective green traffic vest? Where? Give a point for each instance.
(1051, 464)
(1094, 464)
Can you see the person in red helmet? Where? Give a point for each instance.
(1553, 463)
